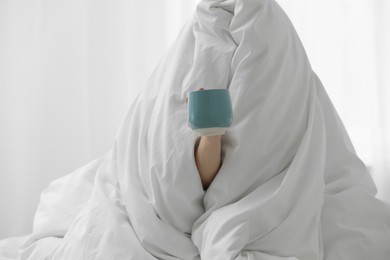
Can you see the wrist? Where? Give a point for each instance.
(212, 139)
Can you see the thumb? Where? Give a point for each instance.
(187, 97)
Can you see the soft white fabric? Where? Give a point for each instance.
(290, 186)
(9, 248)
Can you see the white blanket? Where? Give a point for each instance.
(290, 186)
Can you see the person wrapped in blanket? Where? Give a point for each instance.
(290, 186)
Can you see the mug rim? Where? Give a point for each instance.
(213, 89)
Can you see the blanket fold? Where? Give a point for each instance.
(288, 165)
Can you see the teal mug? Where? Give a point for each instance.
(210, 111)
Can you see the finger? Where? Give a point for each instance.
(187, 97)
